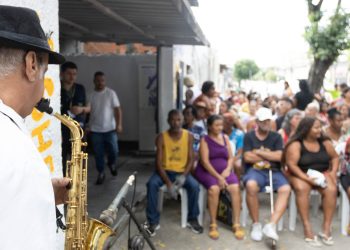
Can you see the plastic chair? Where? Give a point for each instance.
(245, 211)
(344, 206)
(314, 201)
(202, 200)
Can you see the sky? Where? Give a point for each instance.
(270, 32)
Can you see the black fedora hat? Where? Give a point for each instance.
(20, 28)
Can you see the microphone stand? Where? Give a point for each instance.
(139, 227)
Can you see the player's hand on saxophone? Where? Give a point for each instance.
(60, 188)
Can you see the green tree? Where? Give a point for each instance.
(270, 75)
(260, 76)
(245, 69)
(326, 42)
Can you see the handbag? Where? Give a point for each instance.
(224, 213)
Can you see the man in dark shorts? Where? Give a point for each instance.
(262, 150)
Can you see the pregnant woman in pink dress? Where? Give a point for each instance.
(215, 172)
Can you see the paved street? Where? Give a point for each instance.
(171, 236)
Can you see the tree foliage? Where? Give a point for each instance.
(245, 69)
(271, 75)
(268, 75)
(326, 42)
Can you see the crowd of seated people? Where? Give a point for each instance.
(234, 143)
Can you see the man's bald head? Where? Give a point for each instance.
(229, 117)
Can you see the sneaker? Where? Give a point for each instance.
(194, 226)
(151, 228)
(256, 233)
(269, 231)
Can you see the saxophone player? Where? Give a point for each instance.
(28, 195)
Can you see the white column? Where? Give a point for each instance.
(166, 89)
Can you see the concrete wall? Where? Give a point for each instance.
(122, 75)
(46, 131)
(71, 46)
(203, 61)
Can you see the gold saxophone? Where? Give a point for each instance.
(82, 233)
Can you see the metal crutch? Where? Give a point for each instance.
(271, 200)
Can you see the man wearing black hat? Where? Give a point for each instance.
(28, 195)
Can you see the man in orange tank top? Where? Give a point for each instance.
(174, 161)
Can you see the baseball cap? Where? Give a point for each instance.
(264, 114)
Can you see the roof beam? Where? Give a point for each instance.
(112, 14)
(185, 10)
(82, 28)
(193, 3)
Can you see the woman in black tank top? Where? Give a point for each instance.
(314, 160)
(309, 149)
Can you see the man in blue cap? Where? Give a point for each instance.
(28, 195)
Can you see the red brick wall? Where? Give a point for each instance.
(112, 48)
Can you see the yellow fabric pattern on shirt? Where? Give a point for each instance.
(175, 153)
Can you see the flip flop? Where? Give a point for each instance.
(313, 242)
(213, 231)
(238, 231)
(326, 240)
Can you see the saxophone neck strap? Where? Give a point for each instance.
(59, 221)
(10, 119)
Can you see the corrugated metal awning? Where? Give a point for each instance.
(152, 22)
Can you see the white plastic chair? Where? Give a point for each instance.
(314, 201)
(245, 211)
(202, 201)
(344, 207)
(344, 210)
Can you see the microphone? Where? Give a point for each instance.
(109, 215)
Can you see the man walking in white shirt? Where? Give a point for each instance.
(105, 122)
